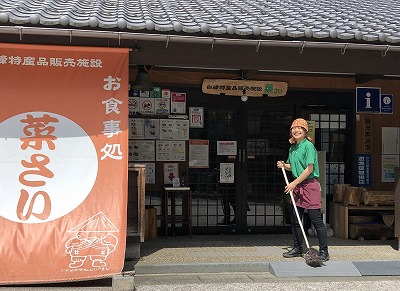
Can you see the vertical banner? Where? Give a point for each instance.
(63, 157)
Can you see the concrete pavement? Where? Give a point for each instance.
(250, 262)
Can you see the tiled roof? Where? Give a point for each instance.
(368, 21)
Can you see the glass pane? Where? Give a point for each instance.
(324, 117)
(324, 124)
(334, 125)
(334, 117)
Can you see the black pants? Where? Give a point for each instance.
(316, 220)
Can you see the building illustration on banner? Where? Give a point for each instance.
(93, 241)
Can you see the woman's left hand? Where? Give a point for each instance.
(290, 187)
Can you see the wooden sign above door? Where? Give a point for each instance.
(252, 88)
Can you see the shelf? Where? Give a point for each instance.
(340, 223)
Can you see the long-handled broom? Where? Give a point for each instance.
(311, 256)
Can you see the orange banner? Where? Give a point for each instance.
(63, 162)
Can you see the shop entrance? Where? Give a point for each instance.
(242, 192)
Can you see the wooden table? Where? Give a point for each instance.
(170, 194)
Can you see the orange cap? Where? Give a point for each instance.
(300, 122)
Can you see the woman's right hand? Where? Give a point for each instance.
(280, 164)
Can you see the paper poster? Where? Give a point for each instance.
(162, 106)
(141, 150)
(150, 173)
(389, 162)
(390, 140)
(133, 105)
(170, 150)
(196, 117)
(171, 172)
(227, 148)
(227, 173)
(178, 103)
(174, 129)
(166, 93)
(151, 128)
(156, 92)
(146, 105)
(136, 128)
(198, 153)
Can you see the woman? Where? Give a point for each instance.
(303, 162)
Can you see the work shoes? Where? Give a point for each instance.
(323, 256)
(293, 253)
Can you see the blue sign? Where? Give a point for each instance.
(387, 103)
(368, 99)
(363, 170)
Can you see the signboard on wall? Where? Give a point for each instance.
(363, 170)
(236, 87)
(387, 103)
(368, 100)
(63, 144)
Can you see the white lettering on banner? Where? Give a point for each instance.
(112, 105)
(15, 60)
(112, 84)
(28, 61)
(51, 167)
(52, 62)
(111, 127)
(109, 150)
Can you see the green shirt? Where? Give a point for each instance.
(300, 156)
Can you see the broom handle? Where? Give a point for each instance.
(295, 209)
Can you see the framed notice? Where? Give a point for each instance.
(196, 117)
(198, 153)
(227, 148)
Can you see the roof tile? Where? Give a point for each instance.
(361, 20)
